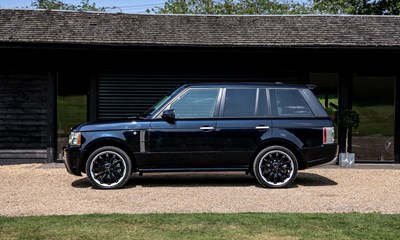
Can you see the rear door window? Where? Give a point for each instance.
(244, 103)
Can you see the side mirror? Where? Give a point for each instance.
(169, 116)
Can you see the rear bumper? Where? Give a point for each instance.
(324, 154)
(72, 158)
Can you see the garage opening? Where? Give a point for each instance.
(72, 97)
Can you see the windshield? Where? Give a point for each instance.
(165, 99)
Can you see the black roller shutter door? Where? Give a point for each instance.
(125, 95)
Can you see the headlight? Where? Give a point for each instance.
(75, 139)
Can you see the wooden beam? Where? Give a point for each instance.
(345, 101)
(397, 120)
(92, 98)
(51, 116)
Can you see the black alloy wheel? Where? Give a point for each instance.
(108, 168)
(275, 167)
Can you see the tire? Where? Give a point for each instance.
(275, 167)
(108, 168)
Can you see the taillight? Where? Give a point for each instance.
(329, 135)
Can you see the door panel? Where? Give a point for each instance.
(236, 139)
(187, 143)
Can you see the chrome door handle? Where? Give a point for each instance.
(262, 127)
(207, 128)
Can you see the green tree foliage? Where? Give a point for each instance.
(260, 7)
(84, 5)
(272, 7)
(357, 7)
(348, 118)
(232, 7)
(387, 7)
(342, 6)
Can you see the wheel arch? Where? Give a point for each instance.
(114, 142)
(280, 142)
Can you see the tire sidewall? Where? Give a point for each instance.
(125, 158)
(260, 157)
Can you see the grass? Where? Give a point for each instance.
(375, 119)
(203, 226)
(71, 110)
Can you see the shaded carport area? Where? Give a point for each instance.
(121, 64)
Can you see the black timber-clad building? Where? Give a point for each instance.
(118, 65)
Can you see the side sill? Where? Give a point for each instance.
(222, 169)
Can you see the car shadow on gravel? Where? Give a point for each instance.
(208, 180)
(312, 179)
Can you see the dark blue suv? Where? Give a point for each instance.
(268, 130)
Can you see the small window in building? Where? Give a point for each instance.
(240, 103)
(289, 102)
(196, 103)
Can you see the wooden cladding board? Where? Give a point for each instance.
(23, 114)
(23, 156)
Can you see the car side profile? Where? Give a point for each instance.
(268, 130)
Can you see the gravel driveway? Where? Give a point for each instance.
(36, 189)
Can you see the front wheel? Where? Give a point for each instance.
(275, 167)
(108, 168)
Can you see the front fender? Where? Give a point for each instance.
(126, 140)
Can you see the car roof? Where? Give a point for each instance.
(247, 85)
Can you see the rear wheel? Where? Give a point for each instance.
(275, 167)
(108, 168)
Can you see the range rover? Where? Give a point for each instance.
(267, 130)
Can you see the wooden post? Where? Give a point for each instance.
(397, 120)
(92, 98)
(345, 101)
(51, 116)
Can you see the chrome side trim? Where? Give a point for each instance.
(142, 141)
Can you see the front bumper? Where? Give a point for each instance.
(72, 159)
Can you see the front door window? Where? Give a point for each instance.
(196, 103)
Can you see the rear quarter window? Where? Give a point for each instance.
(289, 103)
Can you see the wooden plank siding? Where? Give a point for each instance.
(23, 156)
(24, 115)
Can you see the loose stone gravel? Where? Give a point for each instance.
(36, 189)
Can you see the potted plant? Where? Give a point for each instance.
(348, 118)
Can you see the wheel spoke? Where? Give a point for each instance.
(270, 176)
(117, 173)
(109, 179)
(102, 176)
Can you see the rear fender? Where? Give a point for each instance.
(291, 145)
(287, 136)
